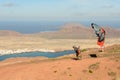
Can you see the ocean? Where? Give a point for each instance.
(36, 54)
(29, 27)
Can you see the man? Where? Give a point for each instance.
(77, 51)
(100, 32)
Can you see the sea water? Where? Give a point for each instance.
(29, 27)
(37, 54)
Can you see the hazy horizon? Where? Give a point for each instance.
(41, 26)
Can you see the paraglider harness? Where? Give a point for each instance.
(101, 35)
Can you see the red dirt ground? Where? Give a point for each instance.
(65, 68)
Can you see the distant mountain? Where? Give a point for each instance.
(76, 31)
(9, 33)
(68, 31)
(112, 32)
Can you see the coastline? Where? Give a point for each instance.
(14, 45)
(4, 52)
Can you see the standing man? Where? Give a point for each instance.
(100, 32)
(77, 51)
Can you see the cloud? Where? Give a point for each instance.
(8, 4)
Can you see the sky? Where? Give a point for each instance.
(56, 10)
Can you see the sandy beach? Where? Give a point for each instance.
(10, 44)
